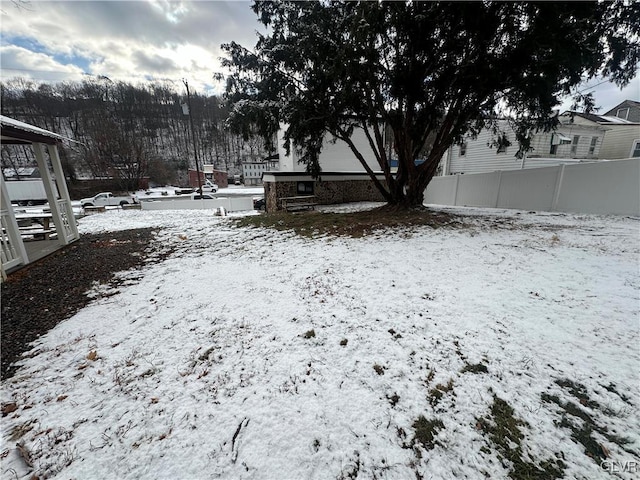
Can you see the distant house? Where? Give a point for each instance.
(18, 226)
(208, 172)
(621, 125)
(570, 143)
(252, 171)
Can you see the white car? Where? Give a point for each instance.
(208, 187)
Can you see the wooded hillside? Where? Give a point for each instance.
(125, 131)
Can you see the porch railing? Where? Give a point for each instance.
(64, 207)
(9, 254)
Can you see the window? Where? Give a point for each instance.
(558, 139)
(635, 150)
(623, 113)
(574, 144)
(305, 188)
(463, 149)
(592, 147)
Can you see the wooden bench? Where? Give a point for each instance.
(36, 233)
(302, 202)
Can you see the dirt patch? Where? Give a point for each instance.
(353, 224)
(39, 296)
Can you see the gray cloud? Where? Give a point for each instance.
(134, 40)
(155, 64)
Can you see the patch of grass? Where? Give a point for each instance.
(205, 355)
(436, 394)
(503, 431)
(309, 334)
(354, 224)
(379, 369)
(612, 389)
(579, 391)
(350, 472)
(476, 368)
(18, 431)
(430, 376)
(582, 429)
(393, 399)
(426, 431)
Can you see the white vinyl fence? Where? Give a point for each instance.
(230, 204)
(606, 187)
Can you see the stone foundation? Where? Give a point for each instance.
(331, 189)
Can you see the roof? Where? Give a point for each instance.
(601, 119)
(610, 119)
(15, 131)
(19, 172)
(589, 116)
(624, 104)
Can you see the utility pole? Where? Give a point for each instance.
(193, 136)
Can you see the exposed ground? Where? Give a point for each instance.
(37, 297)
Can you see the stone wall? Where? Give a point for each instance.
(327, 192)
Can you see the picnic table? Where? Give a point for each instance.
(300, 202)
(35, 224)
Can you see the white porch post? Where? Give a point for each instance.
(63, 191)
(13, 251)
(47, 181)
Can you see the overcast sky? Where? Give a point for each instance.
(132, 41)
(143, 40)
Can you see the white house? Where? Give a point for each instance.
(334, 157)
(570, 143)
(252, 171)
(621, 125)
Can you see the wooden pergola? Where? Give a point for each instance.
(45, 147)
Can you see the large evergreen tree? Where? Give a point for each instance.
(429, 72)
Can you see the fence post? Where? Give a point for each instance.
(455, 190)
(495, 203)
(558, 187)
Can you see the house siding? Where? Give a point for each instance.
(634, 110)
(334, 157)
(618, 141)
(481, 158)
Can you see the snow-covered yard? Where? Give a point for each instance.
(505, 348)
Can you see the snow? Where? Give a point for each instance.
(168, 191)
(206, 366)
